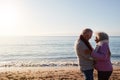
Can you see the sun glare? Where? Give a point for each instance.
(8, 19)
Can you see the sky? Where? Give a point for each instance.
(58, 17)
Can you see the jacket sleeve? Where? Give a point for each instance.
(102, 53)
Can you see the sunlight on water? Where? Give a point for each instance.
(45, 51)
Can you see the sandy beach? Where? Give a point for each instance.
(48, 73)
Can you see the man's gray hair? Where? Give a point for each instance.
(86, 30)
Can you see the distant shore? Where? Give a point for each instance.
(48, 73)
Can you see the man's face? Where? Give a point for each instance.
(96, 39)
(88, 35)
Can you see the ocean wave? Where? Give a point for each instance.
(116, 63)
(115, 55)
(18, 64)
(45, 64)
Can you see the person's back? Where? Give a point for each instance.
(103, 62)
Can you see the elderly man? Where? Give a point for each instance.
(83, 51)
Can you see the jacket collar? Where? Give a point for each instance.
(102, 42)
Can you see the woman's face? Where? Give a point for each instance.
(96, 40)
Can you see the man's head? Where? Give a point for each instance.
(87, 33)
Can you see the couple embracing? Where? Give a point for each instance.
(98, 58)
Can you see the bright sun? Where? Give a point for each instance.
(8, 19)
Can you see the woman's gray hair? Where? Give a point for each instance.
(102, 36)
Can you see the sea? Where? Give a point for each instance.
(46, 51)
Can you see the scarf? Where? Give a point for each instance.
(102, 42)
(86, 42)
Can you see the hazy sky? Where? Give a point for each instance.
(58, 17)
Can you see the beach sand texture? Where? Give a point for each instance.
(48, 73)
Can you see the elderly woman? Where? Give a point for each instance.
(102, 55)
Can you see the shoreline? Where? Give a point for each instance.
(47, 64)
(49, 73)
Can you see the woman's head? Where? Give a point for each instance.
(100, 36)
